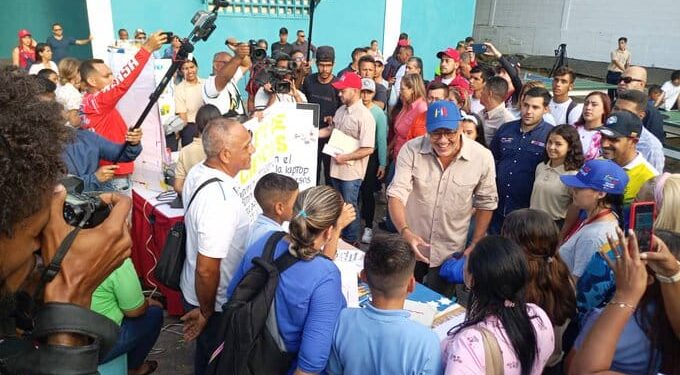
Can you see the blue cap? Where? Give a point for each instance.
(442, 114)
(600, 175)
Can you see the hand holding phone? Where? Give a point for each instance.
(642, 215)
(478, 48)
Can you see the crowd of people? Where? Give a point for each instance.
(510, 197)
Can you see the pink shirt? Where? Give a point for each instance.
(464, 352)
(404, 122)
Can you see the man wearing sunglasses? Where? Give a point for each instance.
(430, 198)
(60, 44)
(635, 78)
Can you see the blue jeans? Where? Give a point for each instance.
(207, 341)
(137, 336)
(350, 193)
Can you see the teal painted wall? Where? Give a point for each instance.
(38, 17)
(439, 24)
(336, 22)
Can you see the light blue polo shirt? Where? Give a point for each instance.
(262, 225)
(373, 341)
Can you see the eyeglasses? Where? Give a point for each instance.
(57, 29)
(629, 79)
(439, 135)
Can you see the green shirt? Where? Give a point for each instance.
(380, 134)
(119, 292)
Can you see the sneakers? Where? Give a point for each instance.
(367, 236)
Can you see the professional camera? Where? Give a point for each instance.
(256, 53)
(274, 75)
(83, 206)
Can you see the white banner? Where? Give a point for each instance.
(285, 142)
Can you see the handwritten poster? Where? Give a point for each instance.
(285, 141)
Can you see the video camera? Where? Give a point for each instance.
(83, 209)
(256, 52)
(275, 75)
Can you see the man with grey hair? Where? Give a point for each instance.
(216, 228)
(221, 88)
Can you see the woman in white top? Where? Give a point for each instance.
(563, 155)
(597, 189)
(68, 94)
(43, 56)
(596, 108)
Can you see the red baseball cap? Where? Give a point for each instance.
(349, 80)
(450, 52)
(23, 33)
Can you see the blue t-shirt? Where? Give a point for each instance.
(632, 350)
(60, 48)
(374, 341)
(261, 227)
(308, 302)
(517, 154)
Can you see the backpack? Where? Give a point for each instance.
(570, 107)
(169, 268)
(250, 339)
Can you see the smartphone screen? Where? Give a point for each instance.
(644, 225)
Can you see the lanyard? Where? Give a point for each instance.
(599, 215)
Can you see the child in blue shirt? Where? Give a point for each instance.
(276, 194)
(380, 338)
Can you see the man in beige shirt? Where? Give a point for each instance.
(495, 114)
(619, 61)
(188, 99)
(348, 169)
(440, 179)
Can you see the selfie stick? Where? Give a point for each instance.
(205, 25)
(312, 6)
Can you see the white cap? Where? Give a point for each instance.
(367, 84)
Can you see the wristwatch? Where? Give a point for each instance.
(669, 279)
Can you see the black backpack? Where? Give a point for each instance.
(251, 343)
(169, 268)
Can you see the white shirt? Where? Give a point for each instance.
(216, 227)
(475, 106)
(228, 98)
(559, 112)
(262, 98)
(69, 96)
(672, 93)
(35, 68)
(394, 95)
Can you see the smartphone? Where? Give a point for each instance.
(169, 35)
(642, 216)
(478, 48)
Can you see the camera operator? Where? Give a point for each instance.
(32, 136)
(302, 68)
(221, 88)
(280, 86)
(98, 109)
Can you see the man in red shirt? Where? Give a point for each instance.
(449, 61)
(102, 93)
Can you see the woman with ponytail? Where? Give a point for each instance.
(518, 336)
(308, 297)
(550, 284)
